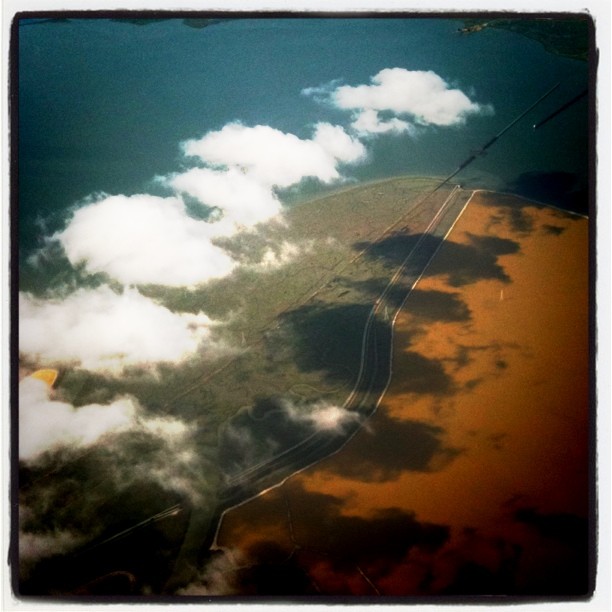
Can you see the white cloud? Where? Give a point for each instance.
(421, 96)
(219, 576)
(144, 239)
(46, 424)
(321, 93)
(335, 140)
(36, 546)
(241, 200)
(101, 330)
(321, 416)
(281, 254)
(175, 463)
(368, 121)
(272, 157)
(170, 429)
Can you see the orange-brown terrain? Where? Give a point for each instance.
(473, 476)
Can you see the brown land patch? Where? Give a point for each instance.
(496, 453)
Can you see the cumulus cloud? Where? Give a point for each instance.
(271, 427)
(281, 254)
(335, 140)
(321, 93)
(241, 200)
(161, 451)
(421, 97)
(368, 121)
(128, 447)
(321, 416)
(275, 158)
(144, 239)
(101, 329)
(219, 576)
(46, 424)
(36, 546)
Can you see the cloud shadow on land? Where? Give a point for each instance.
(329, 338)
(494, 245)
(395, 248)
(275, 436)
(463, 263)
(107, 556)
(388, 447)
(553, 561)
(568, 529)
(554, 230)
(428, 304)
(563, 189)
(438, 306)
(373, 287)
(278, 574)
(258, 433)
(346, 542)
(421, 375)
(320, 539)
(569, 533)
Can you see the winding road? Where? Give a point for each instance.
(375, 368)
(369, 388)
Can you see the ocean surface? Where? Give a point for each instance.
(103, 104)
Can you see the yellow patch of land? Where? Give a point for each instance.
(47, 375)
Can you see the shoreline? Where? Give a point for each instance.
(347, 188)
(417, 177)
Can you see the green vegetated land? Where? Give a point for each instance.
(292, 334)
(567, 37)
(328, 232)
(290, 331)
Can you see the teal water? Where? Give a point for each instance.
(104, 104)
